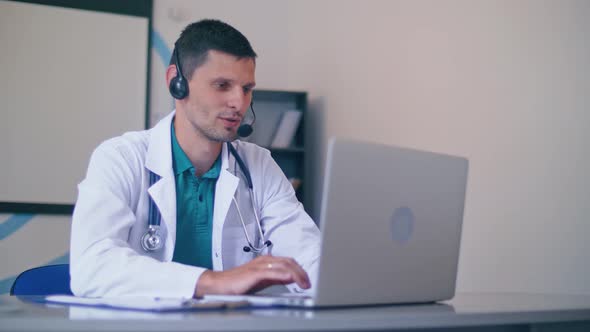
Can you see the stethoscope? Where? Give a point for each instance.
(152, 240)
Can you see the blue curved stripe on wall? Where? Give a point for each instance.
(6, 284)
(161, 48)
(164, 53)
(13, 224)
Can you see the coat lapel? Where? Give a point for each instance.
(224, 192)
(163, 192)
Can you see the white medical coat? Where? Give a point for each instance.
(111, 216)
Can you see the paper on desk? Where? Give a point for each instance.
(259, 301)
(145, 303)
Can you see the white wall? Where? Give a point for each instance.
(504, 83)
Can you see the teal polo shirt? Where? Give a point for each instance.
(194, 208)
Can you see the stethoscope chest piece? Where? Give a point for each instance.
(151, 240)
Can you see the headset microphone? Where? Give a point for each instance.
(246, 129)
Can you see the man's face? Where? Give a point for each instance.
(220, 92)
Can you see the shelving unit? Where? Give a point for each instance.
(269, 106)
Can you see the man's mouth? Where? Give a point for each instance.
(231, 121)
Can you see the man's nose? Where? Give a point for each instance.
(237, 99)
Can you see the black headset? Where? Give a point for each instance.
(178, 85)
(179, 90)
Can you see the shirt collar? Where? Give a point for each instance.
(181, 163)
(213, 172)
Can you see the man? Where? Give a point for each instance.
(184, 172)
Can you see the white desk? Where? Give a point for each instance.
(466, 312)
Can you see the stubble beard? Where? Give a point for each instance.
(218, 135)
(213, 133)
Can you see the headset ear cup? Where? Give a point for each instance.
(178, 87)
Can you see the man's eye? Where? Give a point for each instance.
(222, 85)
(247, 89)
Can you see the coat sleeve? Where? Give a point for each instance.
(102, 262)
(285, 222)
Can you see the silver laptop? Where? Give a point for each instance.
(391, 227)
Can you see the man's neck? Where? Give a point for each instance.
(201, 151)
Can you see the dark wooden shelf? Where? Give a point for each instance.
(270, 104)
(286, 150)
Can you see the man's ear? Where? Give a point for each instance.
(170, 74)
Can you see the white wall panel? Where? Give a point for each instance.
(504, 83)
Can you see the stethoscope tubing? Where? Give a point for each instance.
(154, 217)
(152, 241)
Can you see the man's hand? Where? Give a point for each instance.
(261, 272)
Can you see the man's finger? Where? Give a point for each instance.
(301, 278)
(290, 268)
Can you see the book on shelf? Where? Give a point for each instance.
(265, 126)
(283, 137)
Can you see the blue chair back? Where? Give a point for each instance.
(43, 280)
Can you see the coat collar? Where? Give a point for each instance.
(159, 152)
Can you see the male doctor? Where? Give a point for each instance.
(183, 168)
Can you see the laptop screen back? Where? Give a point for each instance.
(391, 224)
